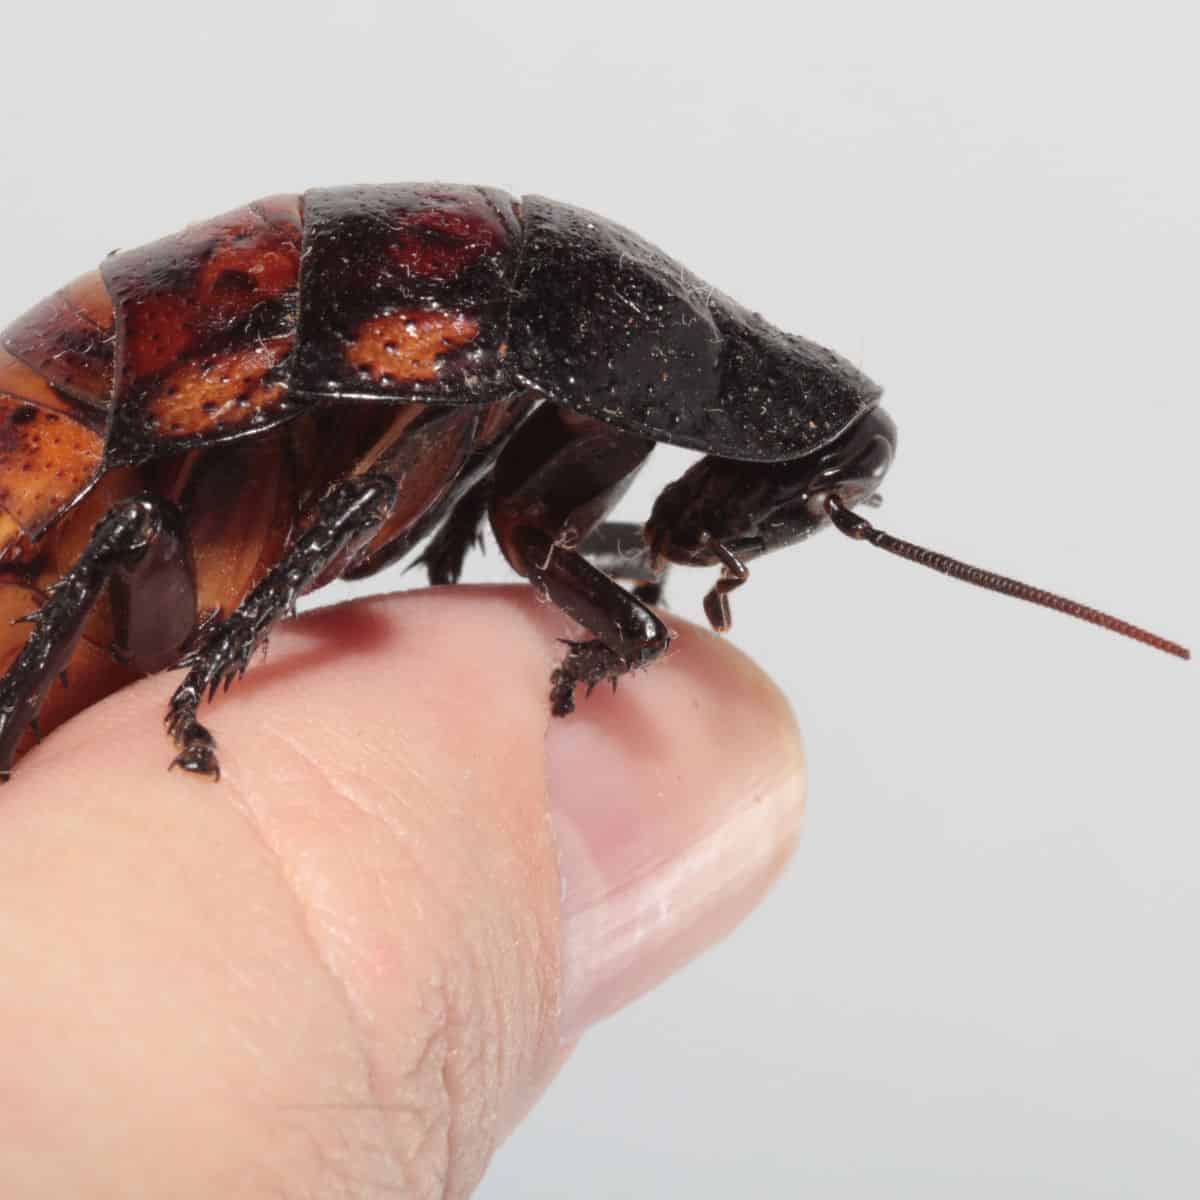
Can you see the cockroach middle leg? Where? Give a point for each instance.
(555, 481)
(347, 517)
(628, 634)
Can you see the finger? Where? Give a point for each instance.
(360, 955)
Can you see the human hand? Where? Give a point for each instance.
(352, 966)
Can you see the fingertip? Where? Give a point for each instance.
(675, 804)
(402, 830)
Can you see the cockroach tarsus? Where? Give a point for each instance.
(307, 388)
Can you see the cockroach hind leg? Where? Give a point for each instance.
(118, 544)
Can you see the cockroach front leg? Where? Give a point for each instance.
(347, 517)
(137, 549)
(554, 483)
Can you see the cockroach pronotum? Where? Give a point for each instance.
(304, 389)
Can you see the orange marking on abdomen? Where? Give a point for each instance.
(406, 347)
(223, 391)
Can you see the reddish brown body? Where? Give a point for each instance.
(210, 426)
(150, 374)
(181, 432)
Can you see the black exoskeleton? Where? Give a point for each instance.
(308, 387)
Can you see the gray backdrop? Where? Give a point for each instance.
(979, 976)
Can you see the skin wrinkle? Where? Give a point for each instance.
(486, 1057)
(396, 752)
(324, 1171)
(378, 814)
(303, 911)
(433, 1125)
(475, 1054)
(446, 1121)
(349, 1150)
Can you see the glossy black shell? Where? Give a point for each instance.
(436, 293)
(608, 324)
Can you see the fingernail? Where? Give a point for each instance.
(673, 811)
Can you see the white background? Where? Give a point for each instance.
(979, 977)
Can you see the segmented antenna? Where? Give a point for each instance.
(856, 527)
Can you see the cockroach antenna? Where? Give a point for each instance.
(861, 530)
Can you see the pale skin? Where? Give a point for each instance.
(350, 967)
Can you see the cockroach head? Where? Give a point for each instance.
(752, 507)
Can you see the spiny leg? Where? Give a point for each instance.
(554, 483)
(138, 543)
(460, 532)
(628, 634)
(349, 515)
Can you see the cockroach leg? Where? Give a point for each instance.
(555, 481)
(734, 573)
(350, 514)
(628, 634)
(137, 541)
(618, 549)
(461, 532)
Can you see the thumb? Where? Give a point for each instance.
(356, 961)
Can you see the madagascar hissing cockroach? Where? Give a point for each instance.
(210, 426)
